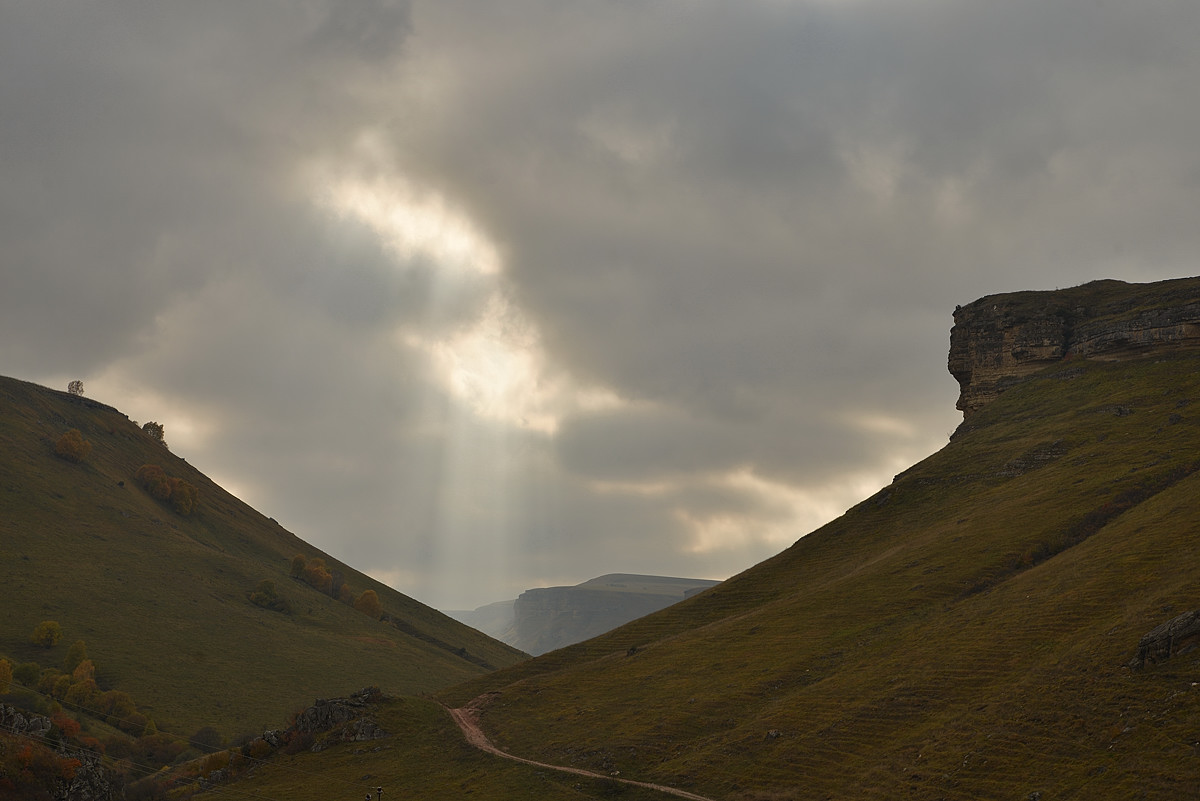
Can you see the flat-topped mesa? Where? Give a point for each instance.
(1000, 339)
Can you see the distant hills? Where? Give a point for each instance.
(546, 618)
(166, 602)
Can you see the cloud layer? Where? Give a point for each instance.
(484, 297)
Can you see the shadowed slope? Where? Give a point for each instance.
(161, 600)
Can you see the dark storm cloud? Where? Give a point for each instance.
(744, 225)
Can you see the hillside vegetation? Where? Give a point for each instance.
(963, 634)
(161, 592)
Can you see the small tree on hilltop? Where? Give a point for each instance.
(75, 387)
(155, 430)
(72, 446)
(46, 634)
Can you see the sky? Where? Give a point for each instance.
(484, 295)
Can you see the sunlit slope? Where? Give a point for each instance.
(161, 599)
(963, 634)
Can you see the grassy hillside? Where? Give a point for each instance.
(963, 634)
(161, 600)
(424, 757)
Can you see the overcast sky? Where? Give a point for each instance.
(481, 296)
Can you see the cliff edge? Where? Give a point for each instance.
(1000, 339)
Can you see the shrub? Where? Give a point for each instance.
(317, 576)
(259, 749)
(82, 693)
(68, 727)
(72, 446)
(183, 496)
(75, 387)
(266, 597)
(6, 674)
(27, 673)
(75, 654)
(368, 604)
(154, 480)
(298, 565)
(46, 634)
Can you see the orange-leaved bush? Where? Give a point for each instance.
(182, 496)
(72, 446)
(368, 604)
(318, 576)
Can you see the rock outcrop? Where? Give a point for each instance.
(1176, 636)
(88, 781)
(342, 719)
(999, 340)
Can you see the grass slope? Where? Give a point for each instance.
(423, 757)
(961, 635)
(161, 600)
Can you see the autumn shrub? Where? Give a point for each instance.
(216, 761)
(317, 576)
(182, 495)
(154, 480)
(368, 604)
(72, 446)
(259, 749)
(75, 654)
(67, 726)
(46, 634)
(265, 596)
(60, 687)
(299, 562)
(81, 693)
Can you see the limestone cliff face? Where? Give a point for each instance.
(1000, 339)
(553, 617)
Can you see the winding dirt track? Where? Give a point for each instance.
(467, 718)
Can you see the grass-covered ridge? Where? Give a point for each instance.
(962, 634)
(163, 599)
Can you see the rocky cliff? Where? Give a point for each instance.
(553, 617)
(1000, 339)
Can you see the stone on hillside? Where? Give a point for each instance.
(1178, 635)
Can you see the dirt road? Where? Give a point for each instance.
(467, 718)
